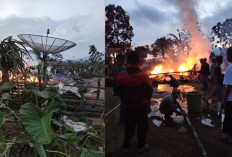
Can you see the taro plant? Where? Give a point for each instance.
(38, 120)
(11, 57)
(37, 123)
(46, 96)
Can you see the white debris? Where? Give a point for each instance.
(63, 89)
(61, 86)
(77, 126)
(177, 118)
(157, 122)
(207, 122)
(154, 111)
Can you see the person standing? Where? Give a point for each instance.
(217, 81)
(134, 87)
(204, 73)
(212, 69)
(227, 100)
(120, 67)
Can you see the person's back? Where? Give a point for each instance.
(167, 104)
(135, 87)
(204, 73)
(135, 90)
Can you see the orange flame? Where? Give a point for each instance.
(29, 79)
(157, 69)
(161, 69)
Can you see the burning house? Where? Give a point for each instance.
(184, 64)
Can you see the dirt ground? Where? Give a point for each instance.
(166, 140)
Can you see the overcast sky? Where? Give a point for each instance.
(81, 21)
(152, 19)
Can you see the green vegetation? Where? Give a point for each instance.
(39, 119)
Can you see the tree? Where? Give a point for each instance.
(97, 64)
(160, 46)
(143, 51)
(221, 34)
(118, 31)
(182, 43)
(96, 61)
(11, 57)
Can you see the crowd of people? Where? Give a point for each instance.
(135, 89)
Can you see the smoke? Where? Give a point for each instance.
(200, 47)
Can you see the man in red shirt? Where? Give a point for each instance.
(135, 90)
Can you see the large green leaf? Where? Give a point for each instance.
(43, 94)
(36, 122)
(37, 92)
(92, 153)
(68, 138)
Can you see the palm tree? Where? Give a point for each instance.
(161, 45)
(182, 42)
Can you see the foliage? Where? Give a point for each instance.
(99, 130)
(37, 122)
(143, 51)
(160, 46)
(96, 61)
(118, 31)
(47, 96)
(168, 47)
(221, 34)
(92, 153)
(182, 42)
(11, 57)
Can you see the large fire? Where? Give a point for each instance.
(30, 78)
(162, 69)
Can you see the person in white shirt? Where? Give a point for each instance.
(227, 100)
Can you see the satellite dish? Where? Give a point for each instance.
(45, 44)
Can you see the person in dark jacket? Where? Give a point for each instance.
(120, 67)
(135, 89)
(204, 73)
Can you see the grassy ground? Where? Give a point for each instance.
(166, 140)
